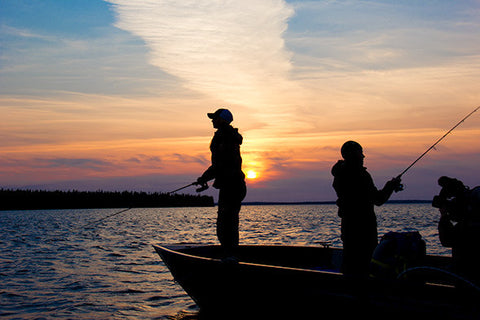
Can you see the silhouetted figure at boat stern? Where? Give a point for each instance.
(459, 225)
(226, 169)
(357, 195)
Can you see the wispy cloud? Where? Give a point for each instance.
(354, 36)
(24, 33)
(231, 50)
(85, 163)
(191, 159)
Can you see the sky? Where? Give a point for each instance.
(113, 95)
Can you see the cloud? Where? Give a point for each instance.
(24, 33)
(47, 64)
(93, 164)
(79, 163)
(142, 159)
(191, 159)
(388, 35)
(302, 64)
(232, 50)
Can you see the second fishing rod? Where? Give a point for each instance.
(433, 146)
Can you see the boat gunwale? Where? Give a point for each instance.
(169, 248)
(173, 250)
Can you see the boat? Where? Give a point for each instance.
(274, 281)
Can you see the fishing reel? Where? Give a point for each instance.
(396, 184)
(203, 187)
(399, 188)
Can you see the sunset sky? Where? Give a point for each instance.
(113, 95)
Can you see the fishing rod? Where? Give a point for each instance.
(184, 187)
(438, 141)
(203, 187)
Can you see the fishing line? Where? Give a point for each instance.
(104, 218)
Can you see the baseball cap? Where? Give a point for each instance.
(221, 113)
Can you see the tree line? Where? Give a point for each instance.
(40, 199)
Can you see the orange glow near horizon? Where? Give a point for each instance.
(264, 159)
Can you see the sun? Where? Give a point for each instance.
(251, 174)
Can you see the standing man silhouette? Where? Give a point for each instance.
(357, 195)
(226, 169)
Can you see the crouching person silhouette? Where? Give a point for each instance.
(459, 225)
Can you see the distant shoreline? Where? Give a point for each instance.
(51, 200)
(279, 203)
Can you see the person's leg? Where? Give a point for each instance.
(229, 205)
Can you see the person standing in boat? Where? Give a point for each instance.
(226, 169)
(459, 225)
(357, 195)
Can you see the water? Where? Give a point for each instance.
(54, 265)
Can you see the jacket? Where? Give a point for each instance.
(226, 167)
(356, 192)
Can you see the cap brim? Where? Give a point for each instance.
(211, 115)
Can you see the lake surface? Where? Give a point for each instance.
(61, 264)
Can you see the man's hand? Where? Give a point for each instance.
(395, 184)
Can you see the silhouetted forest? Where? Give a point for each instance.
(38, 199)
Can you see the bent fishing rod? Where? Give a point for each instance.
(437, 142)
